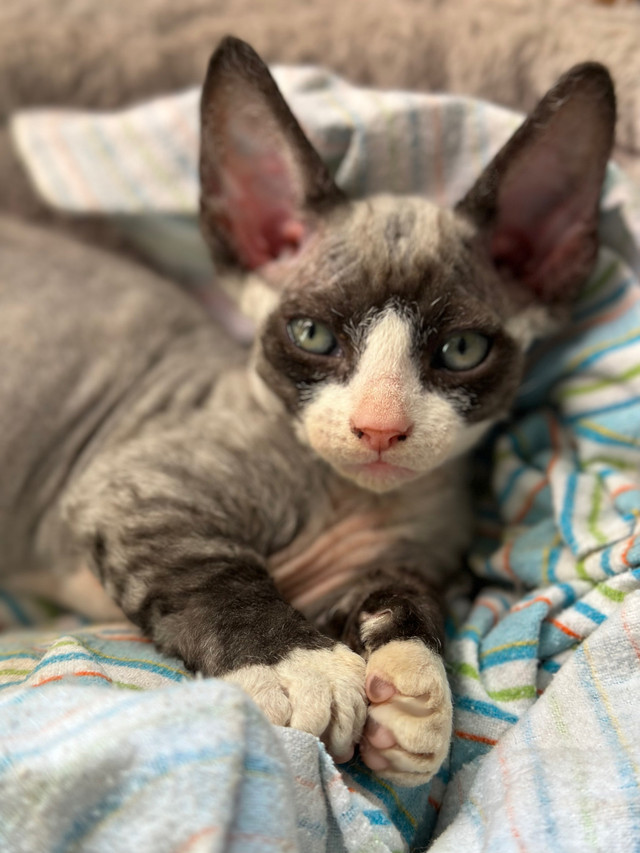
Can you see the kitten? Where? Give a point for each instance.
(289, 520)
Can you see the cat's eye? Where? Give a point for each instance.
(313, 336)
(463, 351)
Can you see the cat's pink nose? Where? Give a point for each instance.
(381, 439)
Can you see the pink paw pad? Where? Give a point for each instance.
(379, 690)
(372, 758)
(376, 737)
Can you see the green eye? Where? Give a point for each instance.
(312, 336)
(464, 351)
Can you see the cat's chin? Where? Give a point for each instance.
(378, 476)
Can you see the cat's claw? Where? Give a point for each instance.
(318, 691)
(408, 729)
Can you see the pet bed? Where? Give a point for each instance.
(106, 745)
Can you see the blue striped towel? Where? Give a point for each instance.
(544, 663)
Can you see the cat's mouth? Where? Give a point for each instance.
(384, 468)
(379, 475)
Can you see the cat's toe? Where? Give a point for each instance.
(319, 691)
(408, 728)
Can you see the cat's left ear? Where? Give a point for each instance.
(536, 204)
(262, 183)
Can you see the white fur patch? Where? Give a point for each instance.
(372, 623)
(258, 299)
(530, 325)
(407, 735)
(319, 691)
(266, 398)
(385, 393)
(386, 385)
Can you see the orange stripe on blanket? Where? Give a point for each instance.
(525, 604)
(69, 165)
(530, 500)
(622, 489)
(513, 826)
(626, 550)
(506, 560)
(490, 605)
(476, 738)
(627, 629)
(563, 628)
(81, 673)
(197, 836)
(601, 319)
(555, 444)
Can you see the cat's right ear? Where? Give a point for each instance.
(262, 184)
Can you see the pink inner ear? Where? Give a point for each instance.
(510, 248)
(258, 210)
(543, 232)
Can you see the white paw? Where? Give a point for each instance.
(319, 691)
(408, 730)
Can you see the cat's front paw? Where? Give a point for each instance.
(319, 691)
(408, 730)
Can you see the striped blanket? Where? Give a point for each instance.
(119, 749)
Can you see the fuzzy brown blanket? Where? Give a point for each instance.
(93, 54)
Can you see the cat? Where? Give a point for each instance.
(288, 518)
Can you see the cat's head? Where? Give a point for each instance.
(394, 331)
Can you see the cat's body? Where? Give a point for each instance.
(145, 358)
(210, 489)
(112, 357)
(131, 388)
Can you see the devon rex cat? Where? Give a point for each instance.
(288, 520)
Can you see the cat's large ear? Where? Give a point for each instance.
(537, 202)
(261, 181)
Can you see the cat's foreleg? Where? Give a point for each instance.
(395, 621)
(182, 550)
